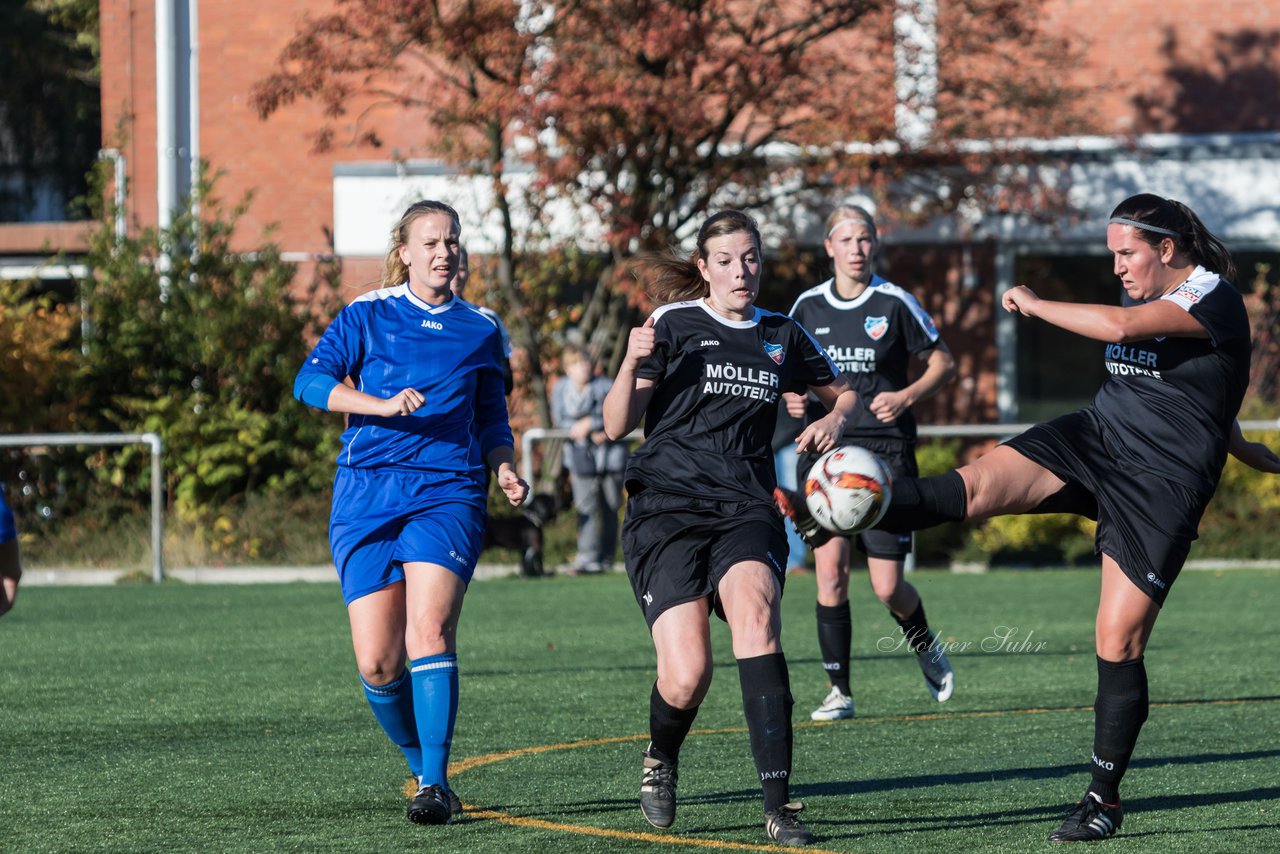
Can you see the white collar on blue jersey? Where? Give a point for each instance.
(425, 306)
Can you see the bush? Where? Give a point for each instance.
(1239, 522)
(1052, 539)
(173, 332)
(199, 343)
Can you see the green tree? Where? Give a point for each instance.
(648, 113)
(198, 343)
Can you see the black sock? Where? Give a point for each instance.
(922, 502)
(668, 727)
(835, 635)
(915, 628)
(1118, 714)
(766, 700)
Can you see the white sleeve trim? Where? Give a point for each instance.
(1198, 285)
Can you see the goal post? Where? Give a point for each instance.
(152, 440)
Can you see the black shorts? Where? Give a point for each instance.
(677, 548)
(1146, 522)
(900, 457)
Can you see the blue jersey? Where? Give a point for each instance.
(389, 340)
(7, 530)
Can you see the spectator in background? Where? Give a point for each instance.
(595, 464)
(459, 285)
(10, 562)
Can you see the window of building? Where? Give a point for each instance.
(1057, 371)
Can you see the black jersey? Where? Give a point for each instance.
(872, 339)
(710, 421)
(1168, 403)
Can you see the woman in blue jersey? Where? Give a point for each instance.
(1143, 459)
(10, 560)
(425, 415)
(706, 372)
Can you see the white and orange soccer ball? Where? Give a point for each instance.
(848, 489)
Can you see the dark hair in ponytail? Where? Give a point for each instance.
(1189, 234)
(674, 278)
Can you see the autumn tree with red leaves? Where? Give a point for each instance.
(648, 113)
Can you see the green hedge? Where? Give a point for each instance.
(177, 333)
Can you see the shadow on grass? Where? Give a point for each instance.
(896, 784)
(953, 819)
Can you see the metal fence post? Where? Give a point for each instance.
(157, 506)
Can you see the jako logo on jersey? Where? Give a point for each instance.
(709, 342)
(775, 352)
(432, 324)
(876, 327)
(1151, 576)
(822, 330)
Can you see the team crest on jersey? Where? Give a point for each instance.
(775, 352)
(876, 327)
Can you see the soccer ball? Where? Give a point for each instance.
(848, 489)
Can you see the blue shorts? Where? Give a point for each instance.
(7, 530)
(384, 518)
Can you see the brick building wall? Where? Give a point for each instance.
(1155, 66)
(1184, 66)
(274, 159)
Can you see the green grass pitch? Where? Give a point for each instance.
(217, 718)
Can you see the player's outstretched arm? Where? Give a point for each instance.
(1253, 454)
(1109, 323)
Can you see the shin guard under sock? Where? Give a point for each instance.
(835, 635)
(922, 502)
(668, 727)
(766, 701)
(435, 705)
(915, 628)
(1118, 714)
(392, 705)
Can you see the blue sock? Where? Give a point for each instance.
(392, 705)
(435, 705)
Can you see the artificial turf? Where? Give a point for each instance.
(229, 718)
